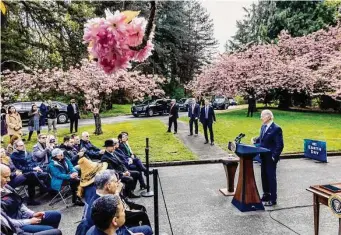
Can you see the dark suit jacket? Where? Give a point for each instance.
(211, 115)
(174, 111)
(71, 113)
(196, 112)
(114, 162)
(272, 139)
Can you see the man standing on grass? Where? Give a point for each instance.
(271, 137)
(207, 117)
(173, 116)
(193, 114)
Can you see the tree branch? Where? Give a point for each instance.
(148, 28)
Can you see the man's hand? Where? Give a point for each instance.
(127, 173)
(253, 140)
(196, 118)
(17, 172)
(35, 220)
(74, 175)
(80, 154)
(102, 151)
(130, 161)
(39, 214)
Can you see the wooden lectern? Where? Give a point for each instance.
(247, 197)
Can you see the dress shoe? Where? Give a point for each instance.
(142, 187)
(206, 142)
(195, 135)
(168, 131)
(212, 143)
(270, 203)
(150, 172)
(265, 198)
(33, 203)
(175, 132)
(78, 202)
(190, 134)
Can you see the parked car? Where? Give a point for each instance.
(220, 102)
(232, 102)
(150, 107)
(184, 103)
(23, 108)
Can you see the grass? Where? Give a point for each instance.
(163, 146)
(117, 110)
(296, 126)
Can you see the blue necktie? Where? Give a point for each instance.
(263, 131)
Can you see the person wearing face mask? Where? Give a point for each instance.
(42, 151)
(13, 121)
(34, 122)
(62, 170)
(271, 137)
(207, 117)
(73, 114)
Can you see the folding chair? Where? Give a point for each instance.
(62, 194)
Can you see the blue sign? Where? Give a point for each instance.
(315, 149)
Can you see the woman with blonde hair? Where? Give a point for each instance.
(13, 121)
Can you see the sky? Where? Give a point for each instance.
(224, 15)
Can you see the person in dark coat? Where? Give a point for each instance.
(252, 105)
(73, 114)
(193, 114)
(271, 137)
(69, 151)
(173, 116)
(91, 150)
(52, 113)
(26, 219)
(3, 124)
(98, 123)
(207, 117)
(18, 178)
(129, 178)
(43, 110)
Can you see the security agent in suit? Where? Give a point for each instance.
(207, 117)
(271, 137)
(73, 114)
(193, 114)
(173, 116)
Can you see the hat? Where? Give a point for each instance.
(56, 152)
(89, 170)
(109, 143)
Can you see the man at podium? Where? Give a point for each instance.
(271, 137)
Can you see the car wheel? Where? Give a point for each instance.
(62, 118)
(136, 115)
(150, 113)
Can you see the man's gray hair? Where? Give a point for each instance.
(173, 100)
(267, 112)
(102, 178)
(17, 142)
(85, 133)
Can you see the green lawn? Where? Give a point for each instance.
(163, 146)
(117, 110)
(296, 127)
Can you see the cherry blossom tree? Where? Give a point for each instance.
(87, 82)
(310, 64)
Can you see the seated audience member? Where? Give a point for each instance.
(9, 149)
(69, 151)
(129, 178)
(62, 171)
(18, 178)
(77, 142)
(42, 151)
(107, 214)
(9, 228)
(22, 160)
(22, 217)
(91, 150)
(107, 183)
(130, 161)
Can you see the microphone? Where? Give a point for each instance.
(239, 137)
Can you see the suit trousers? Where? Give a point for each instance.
(138, 166)
(206, 124)
(191, 121)
(73, 121)
(50, 221)
(250, 110)
(170, 122)
(269, 180)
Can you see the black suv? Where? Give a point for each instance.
(23, 108)
(150, 107)
(220, 102)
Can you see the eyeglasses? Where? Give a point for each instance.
(43, 137)
(20, 146)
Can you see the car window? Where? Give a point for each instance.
(17, 106)
(219, 99)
